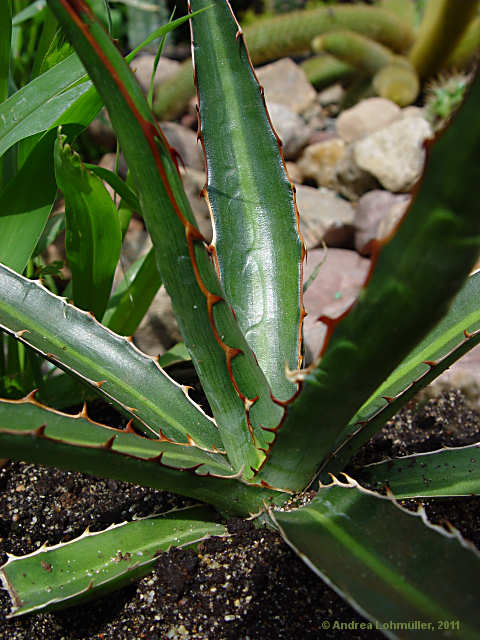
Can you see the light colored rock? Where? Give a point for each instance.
(414, 112)
(324, 217)
(366, 117)
(142, 66)
(331, 95)
(336, 286)
(294, 172)
(184, 141)
(395, 154)
(193, 183)
(351, 181)
(377, 212)
(158, 330)
(101, 132)
(319, 161)
(464, 375)
(291, 129)
(285, 83)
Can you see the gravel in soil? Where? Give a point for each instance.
(247, 586)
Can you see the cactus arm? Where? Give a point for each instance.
(206, 320)
(93, 238)
(354, 48)
(452, 471)
(290, 34)
(257, 243)
(467, 48)
(323, 70)
(384, 560)
(443, 25)
(94, 564)
(74, 340)
(416, 274)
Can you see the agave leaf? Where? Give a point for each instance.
(416, 274)
(106, 452)
(453, 471)
(133, 296)
(257, 243)
(73, 340)
(455, 335)
(345, 535)
(463, 318)
(93, 238)
(96, 563)
(231, 378)
(359, 433)
(27, 415)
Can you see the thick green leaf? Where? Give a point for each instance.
(73, 340)
(52, 439)
(416, 275)
(231, 378)
(454, 336)
(257, 242)
(133, 296)
(384, 560)
(362, 431)
(97, 563)
(93, 238)
(437, 474)
(18, 417)
(463, 316)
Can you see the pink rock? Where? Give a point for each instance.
(336, 286)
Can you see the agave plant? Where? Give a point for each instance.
(277, 428)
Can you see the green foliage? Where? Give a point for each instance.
(239, 307)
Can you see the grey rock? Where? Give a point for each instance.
(464, 375)
(294, 172)
(332, 95)
(366, 117)
(101, 132)
(324, 217)
(291, 129)
(319, 161)
(142, 66)
(158, 330)
(339, 280)
(351, 181)
(285, 83)
(184, 141)
(395, 154)
(193, 183)
(377, 212)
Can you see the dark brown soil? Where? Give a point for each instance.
(250, 586)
